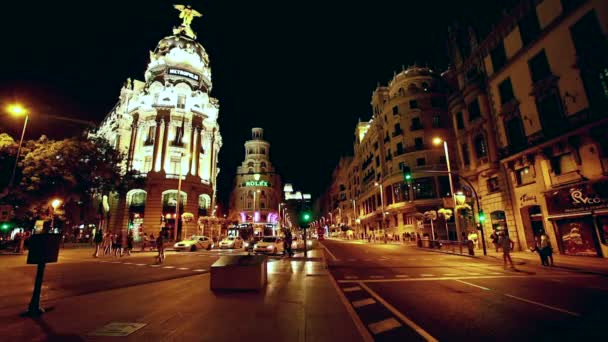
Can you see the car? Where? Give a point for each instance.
(193, 243)
(232, 242)
(269, 245)
(297, 243)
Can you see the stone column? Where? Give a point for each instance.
(156, 142)
(197, 151)
(163, 154)
(191, 150)
(134, 127)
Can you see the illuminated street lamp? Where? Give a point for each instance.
(17, 109)
(438, 141)
(54, 204)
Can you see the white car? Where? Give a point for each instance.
(193, 243)
(269, 245)
(232, 242)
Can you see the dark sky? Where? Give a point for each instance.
(304, 71)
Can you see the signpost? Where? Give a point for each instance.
(43, 248)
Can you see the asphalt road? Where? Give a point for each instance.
(402, 293)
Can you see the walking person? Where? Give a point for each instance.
(288, 240)
(119, 244)
(129, 243)
(537, 248)
(507, 245)
(494, 238)
(107, 244)
(98, 240)
(546, 248)
(160, 246)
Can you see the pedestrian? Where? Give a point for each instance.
(494, 238)
(152, 241)
(129, 243)
(288, 240)
(507, 245)
(537, 248)
(107, 244)
(546, 248)
(160, 247)
(144, 242)
(119, 244)
(98, 240)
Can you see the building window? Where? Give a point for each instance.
(262, 150)
(505, 89)
(539, 67)
(413, 104)
(395, 110)
(563, 164)
(493, 184)
(377, 161)
(459, 120)
(436, 121)
(498, 56)
(529, 27)
(481, 149)
(550, 112)
(465, 154)
(444, 186)
(416, 124)
(525, 175)
(174, 165)
(181, 101)
(179, 134)
(147, 164)
(424, 188)
(150, 138)
(420, 161)
(438, 102)
(418, 144)
(399, 148)
(515, 134)
(474, 110)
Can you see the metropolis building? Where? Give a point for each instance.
(167, 127)
(257, 194)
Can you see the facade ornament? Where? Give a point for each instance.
(187, 13)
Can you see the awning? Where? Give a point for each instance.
(568, 215)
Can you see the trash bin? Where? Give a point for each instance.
(426, 243)
(471, 247)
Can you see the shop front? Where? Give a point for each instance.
(579, 214)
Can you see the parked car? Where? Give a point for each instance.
(193, 243)
(269, 245)
(232, 242)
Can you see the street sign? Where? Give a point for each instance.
(117, 329)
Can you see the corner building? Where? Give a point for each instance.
(254, 202)
(407, 115)
(167, 127)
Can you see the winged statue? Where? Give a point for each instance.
(187, 13)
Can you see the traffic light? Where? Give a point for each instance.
(5, 226)
(305, 218)
(407, 174)
(482, 217)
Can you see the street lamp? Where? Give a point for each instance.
(17, 109)
(54, 204)
(437, 141)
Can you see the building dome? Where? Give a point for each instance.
(181, 42)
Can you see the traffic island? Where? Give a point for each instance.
(239, 272)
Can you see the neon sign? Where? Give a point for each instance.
(256, 183)
(180, 72)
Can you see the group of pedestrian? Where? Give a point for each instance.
(115, 244)
(543, 247)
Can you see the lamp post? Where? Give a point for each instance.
(54, 204)
(381, 202)
(437, 141)
(17, 110)
(355, 218)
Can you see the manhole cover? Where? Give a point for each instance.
(117, 329)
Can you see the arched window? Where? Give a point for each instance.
(136, 198)
(262, 150)
(170, 199)
(250, 151)
(481, 148)
(250, 164)
(204, 203)
(262, 164)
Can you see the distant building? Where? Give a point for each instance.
(167, 127)
(257, 189)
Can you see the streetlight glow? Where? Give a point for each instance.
(56, 203)
(437, 141)
(16, 109)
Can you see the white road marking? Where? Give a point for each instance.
(384, 325)
(129, 263)
(473, 273)
(183, 268)
(330, 253)
(169, 267)
(460, 277)
(399, 315)
(470, 284)
(377, 277)
(199, 270)
(154, 265)
(363, 302)
(450, 274)
(544, 305)
(427, 275)
(402, 276)
(140, 264)
(351, 289)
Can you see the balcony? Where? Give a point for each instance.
(397, 133)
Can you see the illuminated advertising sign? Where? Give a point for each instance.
(184, 73)
(256, 183)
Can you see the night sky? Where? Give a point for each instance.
(303, 71)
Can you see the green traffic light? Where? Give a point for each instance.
(482, 216)
(5, 226)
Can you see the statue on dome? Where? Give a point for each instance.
(187, 13)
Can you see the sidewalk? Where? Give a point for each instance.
(575, 263)
(300, 303)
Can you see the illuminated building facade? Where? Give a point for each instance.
(167, 127)
(257, 188)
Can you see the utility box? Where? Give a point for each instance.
(43, 248)
(239, 272)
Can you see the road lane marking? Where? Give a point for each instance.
(402, 276)
(140, 264)
(155, 265)
(363, 302)
(473, 274)
(471, 284)
(169, 267)
(199, 270)
(460, 277)
(128, 263)
(544, 305)
(399, 315)
(183, 268)
(384, 325)
(330, 253)
(450, 274)
(377, 277)
(351, 289)
(427, 275)
(351, 277)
